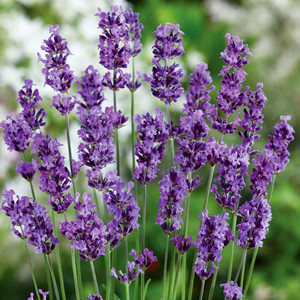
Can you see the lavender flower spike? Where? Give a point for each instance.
(94, 297)
(232, 291)
(44, 294)
(143, 260)
(133, 272)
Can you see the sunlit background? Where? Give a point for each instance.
(271, 28)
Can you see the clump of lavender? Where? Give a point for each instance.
(150, 146)
(213, 236)
(29, 220)
(87, 233)
(164, 80)
(173, 188)
(182, 244)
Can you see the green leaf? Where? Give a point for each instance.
(146, 287)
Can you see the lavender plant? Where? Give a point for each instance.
(96, 234)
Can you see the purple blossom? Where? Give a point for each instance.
(233, 168)
(172, 190)
(134, 85)
(90, 88)
(114, 47)
(119, 80)
(134, 31)
(124, 208)
(198, 96)
(143, 260)
(253, 116)
(27, 169)
(100, 182)
(56, 70)
(182, 244)
(29, 220)
(94, 297)
(256, 216)
(17, 132)
(232, 291)
(64, 104)
(133, 272)
(281, 136)
(164, 80)
(87, 233)
(150, 146)
(44, 294)
(28, 99)
(213, 236)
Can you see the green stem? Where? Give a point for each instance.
(243, 273)
(183, 270)
(112, 281)
(126, 255)
(32, 273)
(75, 277)
(143, 235)
(70, 153)
(208, 186)
(192, 277)
(94, 277)
(232, 247)
(48, 278)
(251, 268)
(213, 284)
(116, 130)
(176, 276)
(52, 276)
(127, 291)
(108, 267)
(240, 265)
(202, 289)
(78, 269)
(165, 267)
(58, 260)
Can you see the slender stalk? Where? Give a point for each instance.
(232, 247)
(143, 235)
(171, 277)
(132, 122)
(213, 284)
(108, 267)
(183, 270)
(127, 292)
(112, 281)
(58, 260)
(176, 276)
(243, 273)
(32, 273)
(78, 271)
(192, 278)
(52, 276)
(202, 289)
(208, 187)
(165, 267)
(70, 153)
(94, 277)
(240, 265)
(126, 255)
(48, 278)
(75, 277)
(116, 130)
(251, 268)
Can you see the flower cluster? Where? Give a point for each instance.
(87, 233)
(56, 70)
(232, 291)
(44, 294)
(27, 169)
(164, 80)
(143, 260)
(94, 297)
(150, 146)
(133, 272)
(182, 244)
(173, 188)
(29, 220)
(213, 236)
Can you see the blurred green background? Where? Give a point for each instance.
(272, 31)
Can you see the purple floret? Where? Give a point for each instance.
(87, 233)
(213, 236)
(64, 104)
(94, 297)
(27, 169)
(173, 188)
(232, 291)
(56, 70)
(133, 272)
(182, 244)
(143, 260)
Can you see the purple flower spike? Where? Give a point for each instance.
(143, 260)
(44, 294)
(164, 80)
(232, 291)
(182, 244)
(87, 233)
(150, 146)
(281, 137)
(27, 169)
(56, 70)
(172, 190)
(94, 297)
(133, 272)
(213, 236)
(31, 296)
(64, 104)
(198, 93)
(256, 216)
(17, 132)
(119, 81)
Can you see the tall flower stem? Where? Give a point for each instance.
(127, 291)
(202, 289)
(52, 276)
(116, 130)
(243, 273)
(32, 273)
(213, 284)
(208, 188)
(58, 260)
(165, 268)
(251, 268)
(232, 247)
(48, 278)
(143, 235)
(70, 153)
(176, 277)
(94, 277)
(240, 265)
(108, 267)
(75, 277)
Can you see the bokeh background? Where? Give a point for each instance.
(271, 28)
